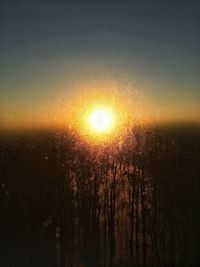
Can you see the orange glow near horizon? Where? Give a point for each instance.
(101, 109)
(94, 111)
(98, 115)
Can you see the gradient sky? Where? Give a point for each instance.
(49, 48)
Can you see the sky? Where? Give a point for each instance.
(51, 49)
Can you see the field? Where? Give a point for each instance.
(134, 203)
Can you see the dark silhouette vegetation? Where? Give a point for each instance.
(64, 203)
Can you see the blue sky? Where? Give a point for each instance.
(49, 46)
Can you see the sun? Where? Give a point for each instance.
(101, 121)
(98, 116)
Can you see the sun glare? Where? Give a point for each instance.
(99, 115)
(101, 121)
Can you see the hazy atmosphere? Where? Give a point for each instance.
(99, 133)
(51, 49)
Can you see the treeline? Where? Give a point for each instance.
(132, 203)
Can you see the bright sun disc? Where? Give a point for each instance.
(101, 121)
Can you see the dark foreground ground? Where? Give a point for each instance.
(63, 203)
